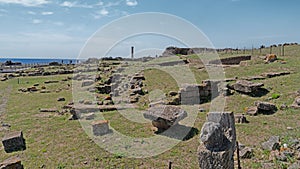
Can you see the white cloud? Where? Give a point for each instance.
(31, 13)
(68, 4)
(47, 13)
(111, 4)
(100, 3)
(75, 4)
(103, 12)
(28, 3)
(37, 21)
(131, 3)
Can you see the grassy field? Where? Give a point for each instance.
(55, 142)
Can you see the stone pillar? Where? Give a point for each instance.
(217, 140)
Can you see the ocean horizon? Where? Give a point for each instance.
(40, 60)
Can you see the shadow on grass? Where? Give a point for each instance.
(179, 132)
(259, 93)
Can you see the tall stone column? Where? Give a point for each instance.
(217, 141)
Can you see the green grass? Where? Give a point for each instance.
(55, 142)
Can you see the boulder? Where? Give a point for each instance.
(247, 87)
(252, 111)
(32, 89)
(296, 103)
(271, 144)
(12, 163)
(100, 127)
(240, 118)
(13, 141)
(270, 58)
(60, 99)
(266, 106)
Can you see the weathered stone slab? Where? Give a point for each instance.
(164, 117)
(13, 141)
(296, 103)
(100, 127)
(275, 74)
(266, 106)
(87, 83)
(11, 163)
(271, 144)
(51, 81)
(252, 111)
(247, 87)
(246, 152)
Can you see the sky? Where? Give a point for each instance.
(60, 29)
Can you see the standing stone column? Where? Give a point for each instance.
(217, 140)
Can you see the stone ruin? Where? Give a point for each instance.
(247, 87)
(100, 128)
(231, 60)
(199, 93)
(163, 117)
(217, 141)
(261, 108)
(171, 51)
(12, 163)
(13, 141)
(296, 103)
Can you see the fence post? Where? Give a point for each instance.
(170, 164)
(238, 155)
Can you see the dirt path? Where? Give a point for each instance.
(4, 94)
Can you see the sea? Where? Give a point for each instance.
(25, 61)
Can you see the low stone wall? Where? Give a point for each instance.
(170, 51)
(198, 93)
(231, 61)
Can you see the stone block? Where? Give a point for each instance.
(100, 127)
(13, 141)
(11, 163)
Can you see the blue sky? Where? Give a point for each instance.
(59, 29)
